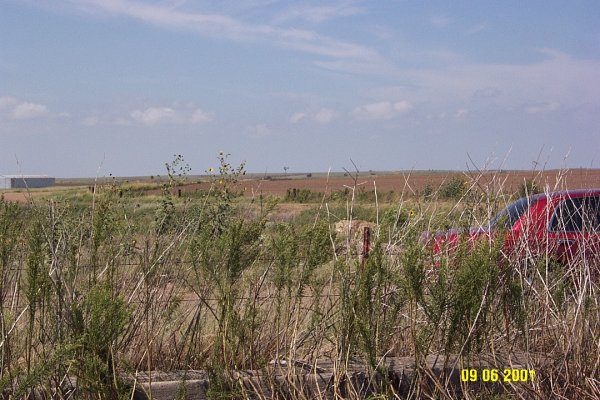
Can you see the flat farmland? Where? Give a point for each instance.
(411, 183)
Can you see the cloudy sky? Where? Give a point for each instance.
(93, 87)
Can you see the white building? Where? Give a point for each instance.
(25, 181)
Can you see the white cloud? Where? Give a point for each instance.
(199, 116)
(123, 122)
(573, 81)
(477, 28)
(325, 115)
(223, 26)
(402, 106)
(90, 121)
(374, 67)
(440, 21)
(382, 32)
(154, 115)
(7, 102)
(487, 93)
(322, 116)
(297, 117)
(24, 110)
(259, 131)
(28, 110)
(319, 13)
(552, 53)
(384, 110)
(461, 113)
(542, 108)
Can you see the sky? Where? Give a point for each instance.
(97, 87)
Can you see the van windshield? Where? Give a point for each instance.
(506, 218)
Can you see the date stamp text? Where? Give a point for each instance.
(497, 375)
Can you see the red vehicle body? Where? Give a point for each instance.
(560, 225)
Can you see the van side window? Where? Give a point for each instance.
(577, 215)
(592, 217)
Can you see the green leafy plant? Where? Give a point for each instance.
(452, 189)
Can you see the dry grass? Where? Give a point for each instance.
(220, 284)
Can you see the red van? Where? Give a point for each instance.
(563, 225)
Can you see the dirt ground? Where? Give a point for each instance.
(414, 183)
(409, 183)
(19, 197)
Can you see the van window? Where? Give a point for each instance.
(580, 214)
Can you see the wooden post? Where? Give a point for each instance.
(366, 244)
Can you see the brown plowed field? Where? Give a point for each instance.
(415, 182)
(20, 197)
(409, 183)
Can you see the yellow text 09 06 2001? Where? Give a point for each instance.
(497, 375)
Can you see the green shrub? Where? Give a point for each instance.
(452, 189)
(302, 195)
(529, 188)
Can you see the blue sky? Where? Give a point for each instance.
(93, 87)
